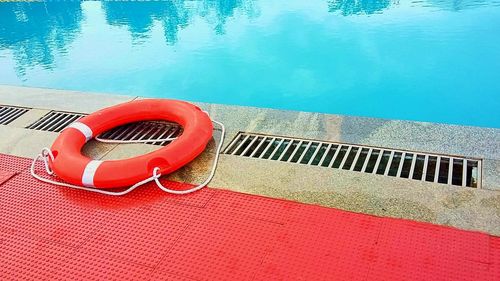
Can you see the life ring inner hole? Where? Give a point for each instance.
(156, 133)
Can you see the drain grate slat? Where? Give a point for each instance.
(464, 174)
(360, 159)
(316, 151)
(10, 113)
(276, 149)
(417, 167)
(296, 147)
(298, 154)
(335, 152)
(267, 146)
(325, 154)
(377, 162)
(400, 165)
(437, 168)
(366, 160)
(254, 139)
(260, 147)
(55, 121)
(450, 171)
(241, 143)
(286, 151)
(371, 161)
(304, 154)
(161, 135)
(346, 156)
(280, 149)
(355, 160)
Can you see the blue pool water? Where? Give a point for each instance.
(425, 60)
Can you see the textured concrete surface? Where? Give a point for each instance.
(474, 209)
(491, 174)
(71, 101)
(23, 142)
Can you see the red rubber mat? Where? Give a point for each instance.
(49, 232)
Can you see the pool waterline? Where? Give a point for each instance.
(424, 62)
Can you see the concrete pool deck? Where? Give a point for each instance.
(466, 208)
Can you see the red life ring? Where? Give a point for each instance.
(73, 167)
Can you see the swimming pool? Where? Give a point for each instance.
(425, 60)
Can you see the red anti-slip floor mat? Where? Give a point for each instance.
(50, 232)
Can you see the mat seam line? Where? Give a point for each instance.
(155, 268)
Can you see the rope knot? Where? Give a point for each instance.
(156, 173)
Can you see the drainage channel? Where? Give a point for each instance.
(430, 167)
(11, 113)
(55, 121)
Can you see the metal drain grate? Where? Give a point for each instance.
(435, 168)
(10, 113)
(55, 121)
(143, 131)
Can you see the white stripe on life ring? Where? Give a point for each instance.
(89, 173)
(84, 129)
